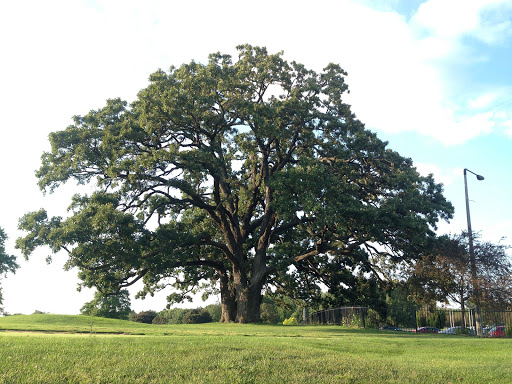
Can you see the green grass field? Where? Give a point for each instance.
(80, 349)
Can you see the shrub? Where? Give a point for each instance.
(197, 316)
(215, 311)
(38, 312)
(170, 316)
(291, 321)
(143, 317)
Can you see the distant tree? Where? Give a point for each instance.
(400, 308)
(234, 173)
(38, 312)
(494, 273)
(215, 310)
(113, 306)
(268, 311)
(143, 317)
(445, 273)
(440, 275)
(7, 263)
(197, 316)
(170, 316)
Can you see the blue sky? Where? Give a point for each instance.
(431, 77)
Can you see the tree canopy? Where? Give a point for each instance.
(232, 176)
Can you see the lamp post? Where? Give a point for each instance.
(476, 289)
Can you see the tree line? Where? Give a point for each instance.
(273, 311)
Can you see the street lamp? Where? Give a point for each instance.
(476, 289)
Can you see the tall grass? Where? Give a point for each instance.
(233, 353)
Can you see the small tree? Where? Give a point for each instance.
(445, 273)
(268, 311)
(7, 263)
(114, 306)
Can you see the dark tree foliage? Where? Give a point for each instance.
(232, 176)
(170, 316)
(400, 308)
(7, 262)
(268, 312)
(215, 311)
(197, 316)
(146, 317)
(445, 273)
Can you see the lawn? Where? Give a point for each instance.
(80, 349)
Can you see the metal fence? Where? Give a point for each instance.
(350, 316)
(442, 320)
(459, 321)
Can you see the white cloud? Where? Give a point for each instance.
(508, 127)
(407, 88)
(441, 175)
(109, 48)
(497, 233)
(448, 19)
(482, 101)
(485, 20)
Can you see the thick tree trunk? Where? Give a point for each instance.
(228, 301)
(248, 304)
(240, 303)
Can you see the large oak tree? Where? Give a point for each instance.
(230, 176)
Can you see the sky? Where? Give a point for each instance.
(432, 77)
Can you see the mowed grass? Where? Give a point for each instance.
(81, 349)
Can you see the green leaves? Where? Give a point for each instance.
(230, 172)
(7, 262)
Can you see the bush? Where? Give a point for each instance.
(170, 316)
(143, 317)
(291, 321)
(38, 312)
(197, 316)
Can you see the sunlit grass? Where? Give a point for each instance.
(233, 353)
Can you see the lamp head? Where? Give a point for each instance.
(478, 177)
